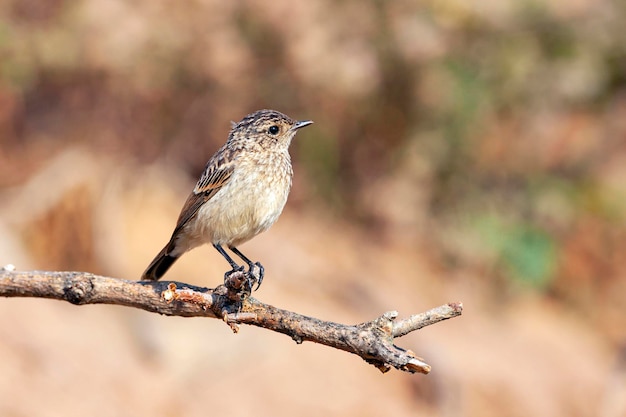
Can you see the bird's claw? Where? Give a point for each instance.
(254, 275)
(229, 274)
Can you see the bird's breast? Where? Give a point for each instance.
(250, 202)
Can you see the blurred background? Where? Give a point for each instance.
(462, 151)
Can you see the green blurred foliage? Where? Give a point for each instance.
(525, 254)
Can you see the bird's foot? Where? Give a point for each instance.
(236, 268)
(256, 271)
(235, 274)
(237, 282)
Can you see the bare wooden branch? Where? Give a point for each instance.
(372, 341)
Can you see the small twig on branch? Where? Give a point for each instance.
(372, 341)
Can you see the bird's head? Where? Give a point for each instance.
(266, 129)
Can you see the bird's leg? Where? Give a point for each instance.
(232, 263)
(251, 266)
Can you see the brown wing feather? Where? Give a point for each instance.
(217, 173)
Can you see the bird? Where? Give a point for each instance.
(241, 193)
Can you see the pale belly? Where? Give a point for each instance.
(241, 210)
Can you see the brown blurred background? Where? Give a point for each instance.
(463, 151)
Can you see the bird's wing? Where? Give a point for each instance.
(217, 173)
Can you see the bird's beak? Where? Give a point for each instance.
(301, 123)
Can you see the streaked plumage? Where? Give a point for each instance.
(240, 194)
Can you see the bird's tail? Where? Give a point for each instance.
(159, 265)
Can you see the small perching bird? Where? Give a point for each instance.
(240, 194)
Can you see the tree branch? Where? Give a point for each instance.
(372, 341)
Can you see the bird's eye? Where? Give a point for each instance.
(273, 129)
